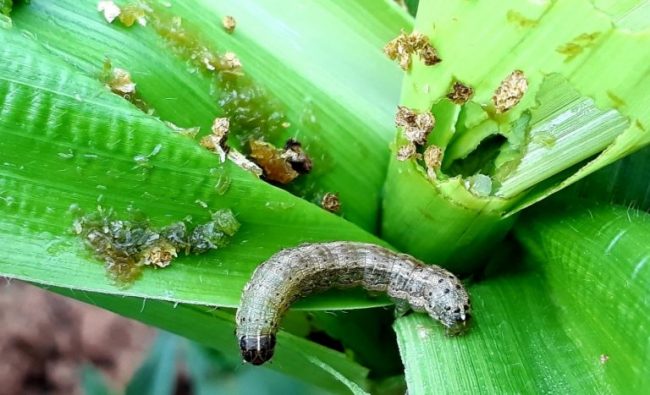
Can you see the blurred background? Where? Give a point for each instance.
(53, 345)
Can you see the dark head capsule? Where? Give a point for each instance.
(257, 349)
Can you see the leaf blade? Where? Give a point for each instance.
(576, 324)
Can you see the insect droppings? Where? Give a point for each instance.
(126, 246)
(331, 202)
(297, 272)
(405, 45)
(228, 23)
(417, 126)
(460, 93)
(510, 91)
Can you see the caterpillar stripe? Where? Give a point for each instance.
(296, 272)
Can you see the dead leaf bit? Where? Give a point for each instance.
(404, 46)
(510, 92)
(128, 15)
(417, 126)
(460, 93)
(109, 9)
(134, 12)
(230, 63)
(297, 157)
(229, 23)
(276, 166)
(240, 160)
(331, 202)
(117, 80)
(433, 160)
(217, 141)
(406, 152)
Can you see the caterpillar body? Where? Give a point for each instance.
(297, 272)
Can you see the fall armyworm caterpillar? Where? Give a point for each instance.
(297, 272)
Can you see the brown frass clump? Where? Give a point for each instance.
(460, 93)
(229, 23)
(405, 45)
(433, 160)
(417, 126)
(269, 158)
(407, 151)
(510, 91)
(127, 246)
(280, 165)
(331, 202)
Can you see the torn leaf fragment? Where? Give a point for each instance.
(117, 80)
(220, 128)
(240, 160)
(134, 12)
(187, 132)
(121, 82)
(510, 92)
(417, 126)
(217, 140)
(229, 23)
(405, 45)
(331, 202)
(110, 10)
(460, 93)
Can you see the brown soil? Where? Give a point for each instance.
(46, 338)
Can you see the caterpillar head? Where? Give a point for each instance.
(448, 302)
(257, 349)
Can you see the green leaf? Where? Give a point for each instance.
(295, 55)
(157, 374)
(92, 381)
(5, 7)
(565, 127)
(66, 138)
(624, 182)
(215, 328)
(210, 375)
(575, 327)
